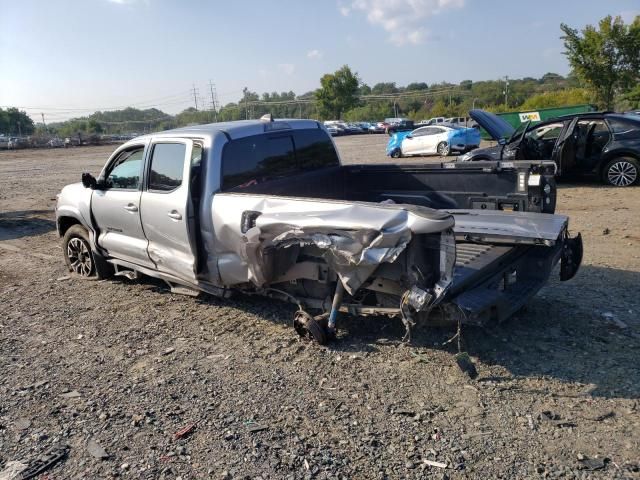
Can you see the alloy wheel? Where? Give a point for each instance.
(79, 257)
(443, 149)
(622, 173)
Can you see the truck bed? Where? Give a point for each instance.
(477, 185)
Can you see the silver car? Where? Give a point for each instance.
(266, 207)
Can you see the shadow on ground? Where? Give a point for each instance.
(25, 223)
(562, 333)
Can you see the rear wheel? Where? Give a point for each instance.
(79, 257)
(443, 149)
(621, 172)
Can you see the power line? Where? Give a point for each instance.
(214, 100)
(195, 95)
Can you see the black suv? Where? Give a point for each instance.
(604, 144)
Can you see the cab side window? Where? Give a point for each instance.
(124, 172)
(167, 165)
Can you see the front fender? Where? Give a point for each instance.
(74, 201)
(395, 141)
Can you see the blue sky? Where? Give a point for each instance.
(70, 57)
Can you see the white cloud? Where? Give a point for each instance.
(401, 19)
(314, 54)
(344, 10)
(287, 68)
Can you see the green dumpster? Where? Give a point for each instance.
(540, 115)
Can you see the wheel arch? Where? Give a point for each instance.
(65, 222)
(605, 159)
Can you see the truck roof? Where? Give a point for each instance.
(235, 129)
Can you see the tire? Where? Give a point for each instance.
(621, 172)
(80, 259)
(443, 149)
(397, 153)
(308, 328)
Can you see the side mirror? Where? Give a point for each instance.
(502, 141)
(409, 136)
(89, 181)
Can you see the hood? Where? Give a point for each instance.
(395, 141)
(496, 127)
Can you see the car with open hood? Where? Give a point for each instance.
(601, 144)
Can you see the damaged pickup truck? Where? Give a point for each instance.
(265, 207)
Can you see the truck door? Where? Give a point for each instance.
(564, 151)
(166, 209)
(115, 207)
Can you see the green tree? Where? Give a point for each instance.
(607, 58)
(384, 88)
(338, 92)
(416, 86)
(15, 122)
(560, 98)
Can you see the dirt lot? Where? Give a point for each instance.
(116, 368)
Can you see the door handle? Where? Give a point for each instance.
(131, 208)
(174, 215)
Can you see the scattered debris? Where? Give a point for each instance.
(431, 463)
(255, 427)
(555, 419)
(183, 432)
(606, 231)
(592, 464)
(63, 279)
(71, 394)
(169, 351)
(403, 411)
(44, 462)
(532, 425)
(96, 450)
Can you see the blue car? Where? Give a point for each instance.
(439, 139)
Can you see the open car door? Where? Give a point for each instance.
(564, 151)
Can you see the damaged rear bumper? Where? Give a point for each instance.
(517, 276)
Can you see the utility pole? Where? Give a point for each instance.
(214, 100)
(195, 96)
(506, 91)
(43, 122)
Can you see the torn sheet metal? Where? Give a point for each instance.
(355, 237)
(509, 227)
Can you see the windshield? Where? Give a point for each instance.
(518, 131)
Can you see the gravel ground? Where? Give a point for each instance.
(114, 369)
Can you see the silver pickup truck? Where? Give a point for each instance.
(266, 207)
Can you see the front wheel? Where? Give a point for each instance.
(397, 153)
(622, 172)
(443, 149)
(79, 257)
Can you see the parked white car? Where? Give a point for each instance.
(433, 139)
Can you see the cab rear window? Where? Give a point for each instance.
(259, 158)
